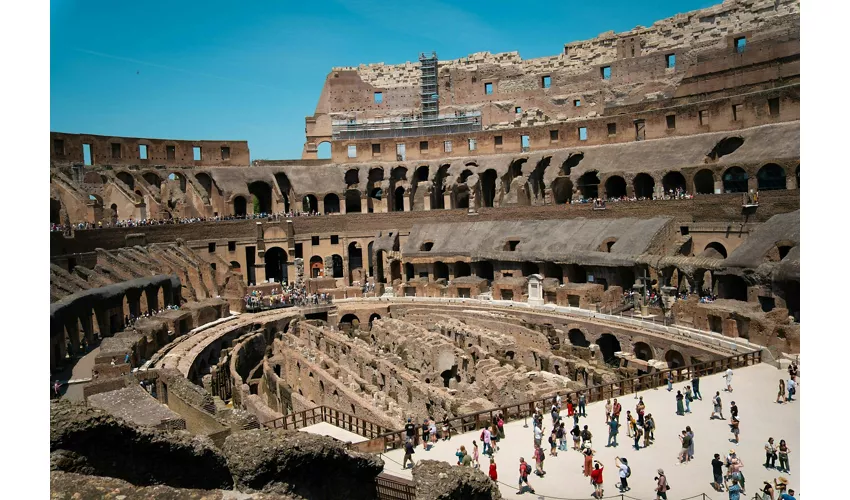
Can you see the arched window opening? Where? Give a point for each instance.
(441, 271)
(323, 151)
(673, 182)
(674, 359)
(462, 269)
(608, 345)
(276, 265)
(735, 180)
(317, 266)
(644, 186)
(715, 250)
(240, 206)
(352, 178)
(771, 177)
(704, 182)
(643, 351)
(127, 179)
(262, 194)
(310, 203)
(337, 266)
(571, 162)
(615, 187)
(331, 203)
(577, 338)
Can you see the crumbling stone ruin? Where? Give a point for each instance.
(628, 206)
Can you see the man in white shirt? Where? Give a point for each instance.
(792, 388)
(538, 435)
(623, 466)
(729, 379)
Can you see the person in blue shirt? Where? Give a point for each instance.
(735, 490)
(613, 430)
(787, 496)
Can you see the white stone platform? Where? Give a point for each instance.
(326, 429)
(755, 390)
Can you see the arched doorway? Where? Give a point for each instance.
(352, 201)
(643, 351)
(735, 180)
(608, 344)
(205, 181)
(771, 177)
(398, 199)
(380, 267)
(395, 270)
(562, 190)
(577, 338)
(323, 151)
(262, 194)
(355, 261)
(673, 182)
(276, 267)
(240, 206)
(349, 321)
(488, 187)
(715, 250)
(337, 266)
(331, 203)
(704, 182)
(644, 186)
(372, 318)
(309, 203)
(462, 269)
(317, 266)
(615, 187)
(441, 271)
(674, 359)
(588, 185)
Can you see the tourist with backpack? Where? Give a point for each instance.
(624, 472)
(539, 457)
(596, 479)
(524, 471)
(718, 407)
(661, 486)
(486, 439)
(408, 454)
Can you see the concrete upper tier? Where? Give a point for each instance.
(678, 61)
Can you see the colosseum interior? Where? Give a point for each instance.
(489, 231)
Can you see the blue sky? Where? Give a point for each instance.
(212, 70)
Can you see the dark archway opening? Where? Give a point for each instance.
(608, 345)
(588, 185)
(462, 197)
(126, 179)
(731, 287)
(309, 203)
(331, 203)
(352, 201)
(562, 190)
(529, 268)
(577, 338)
(337, 266)
(535, 179)
(408, 271)
(726, 146)
(448, 375)
(352, 178)
(615, 187)
(317, 266)
(644, 186)
(485, 270)
(350, 321)
(441, 271)
(276, 268)
(771, 177)
(439, 190)
(262, 194)
(205, 181)
(643, 351)
(735, 180)
(380, 267)
(674, 359)
(704, 182)
(715, 250)
(398, 199)
(355, 260)
(570, 163)
(395, 270)
(488, 187)
(462, 269)
(55, 211)
(240, 206)
(673, 182)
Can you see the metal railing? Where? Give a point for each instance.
(473, 421)
(389, 487)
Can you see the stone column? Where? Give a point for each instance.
(102, 322)
(407, 207)
(718, 186)
(88, 328)
(73, 334)
(321, 205)
(364, 204)
(447, 200)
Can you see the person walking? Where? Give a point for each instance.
(617, 409)
(661, 486)
(487, 438)
(539, 457)
(493, 473)
(768, 491)
(425, 433)
(640, 409)
(613, 430)
(576, 433)
(728, 378)
(735, 427)
(691, 446)
(792, 389)
(410, 430)
(718, 407)
(629, 423)
(432, 430)
(735, 491)
(57, 388)
(588, 461)
(695, 385)
(607, 410)
(638, 432)
(408, 454)
(680, 407)
(524, 471)
(596, 479)
(686, 443)
(475, 463)
(770, 454)
(780, 398)
(553, 442)
(538, 435)
(669, 381)
(733, 410)
(624, 472)
(783, 452)
(582, 404)
(717, 472)
(688, 399)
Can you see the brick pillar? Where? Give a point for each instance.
(88, 327)
(73, 334)
(102, 322)
(447, 200)
(407, 207)
(364, 204)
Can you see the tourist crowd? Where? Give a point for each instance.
(130, 320)
(640, 428)
(81, 226)
(285, 296)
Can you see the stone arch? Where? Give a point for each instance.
(578, 338)
(352, 178)
(276, 265)
(562, 190)
(462, 269)
(608, 345)
(180, 178)
(673, 180)
(735, 180)
(644, 186)
(615, 187)
(439, 190)
(336, 261)
(235, 266)
(571, 162)
(331, 203)
(309, 203)
(704, 182)
(643, 351)
(514, 171)
(588, 185)
(537, 176)
(350, 319)
(261, 191)
(152, 179)
(398, 199)
(317, 266)
(323, 150)
(716, 250)
(205, 181)
(398, 174)
(421, 174)
(352, 201)
(114, 209)
(488, 187)
(373, 317)
(771, 177)
(240, 206)
(127, 179)
(674, 359)
(285, 188)
(441, 271)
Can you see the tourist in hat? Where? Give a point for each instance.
(408, 454)
(680, 406)
(624, 473)
(768, 491)
(780, 398)
(661, 486)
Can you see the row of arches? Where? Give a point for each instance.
(609, 344)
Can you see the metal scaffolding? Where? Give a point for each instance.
(428, 92)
